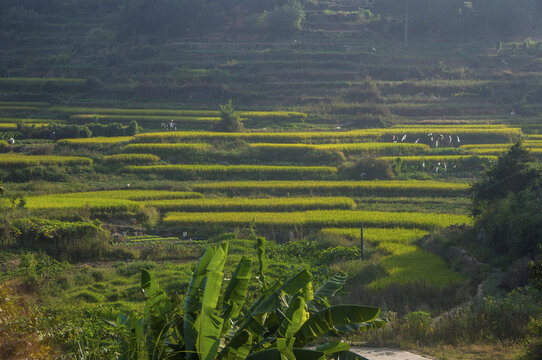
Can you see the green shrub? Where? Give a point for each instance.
(65, 240)
(367, 168)
(339, 253)
(230, 121)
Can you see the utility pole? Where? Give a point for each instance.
(406, 23)
(362, 244)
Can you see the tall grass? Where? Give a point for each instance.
(135, 195)
(349, 148)
(468, 135)
(146, 118)
(312, 219)
(377, 235)
(29, 81)
(409, 264)
(24, 103)
(28, 121)
(131, 159)
(110, 201)
(17, 160)
(167, 150)
(248, 204)
(407, 188)
(403, 262)
(8, 127)
(182, 113)
(97, 141)
(186, 172)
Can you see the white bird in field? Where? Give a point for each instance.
(450, 137)
(415, 142)
(436, 170)
(430, 134)
(436, 144)
(441, 137)
(458, 140)
(423, 164)
(438, 163)
(431, 138)
(455, 166)
(404, 138)
(445, 167)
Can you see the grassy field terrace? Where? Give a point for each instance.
(19, 160)
(349, 188)
(215, 172)
(306, 221)
(456, 135)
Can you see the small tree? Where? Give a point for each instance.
(513, 172)
(229, 119)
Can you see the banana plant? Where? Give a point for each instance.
(211, 324)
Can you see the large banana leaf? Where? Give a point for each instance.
(291, 287)
(325, 320)
(237, 349)
(260, 247)
(327, 290)
(333, 347)
(214, 258)
(157, 313)
(294, 318)
(300, 354)
(208, 324)
(269, 302)
(286, 348)
(235, 294)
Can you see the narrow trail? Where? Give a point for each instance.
(386, 354)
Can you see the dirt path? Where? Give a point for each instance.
(386, 354)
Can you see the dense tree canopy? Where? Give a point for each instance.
(508, 205)
(447, 19)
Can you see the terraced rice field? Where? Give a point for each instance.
(351, 188)
(97, 141)
(189, 172)
(254, 204)
(17, 160)
(110, 201)
(131, 159)
(263, 189)
(311, 219)
(454, 136)
(352, 148)
(404, 261)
